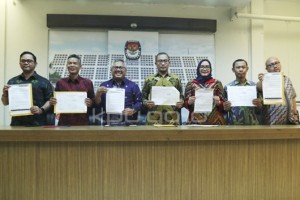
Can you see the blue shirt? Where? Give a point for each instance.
(133, 100)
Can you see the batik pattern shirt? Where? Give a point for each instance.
(242, 115)
(162, 114)
(280, 114)
(42, 90)
(216, 116)
(79, 84)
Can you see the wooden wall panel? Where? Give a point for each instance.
(189, 170)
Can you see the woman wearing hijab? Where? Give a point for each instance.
(205, 80)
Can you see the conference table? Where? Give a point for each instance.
(150, 163)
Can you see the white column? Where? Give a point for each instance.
(257, 40)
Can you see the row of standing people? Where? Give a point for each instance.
(276, 114)
(135, 100)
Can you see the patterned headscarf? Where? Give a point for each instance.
(200, 78)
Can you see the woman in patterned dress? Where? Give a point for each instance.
(205, 80)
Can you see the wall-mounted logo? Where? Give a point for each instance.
(132, 50)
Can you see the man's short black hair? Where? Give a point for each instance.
(28, 52)
(239, 60)
(75, 56)
(161, 53)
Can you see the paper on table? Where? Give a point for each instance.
(273, 92)
(241, 95)
(20, 99)
(164, 95)
(201, 125)
(115, 100)
(204, 100)
(164, 125)
(70, 102)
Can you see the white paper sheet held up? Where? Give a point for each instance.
(20, 99)
(204, 100)
(70, 102)
(241, 95)
(164, 95)
(273, 88)
(115, 100)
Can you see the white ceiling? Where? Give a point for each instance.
(201, 3)
(205, 3)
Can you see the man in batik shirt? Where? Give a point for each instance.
(242, 115)
(74, 82)
(279, 114)
(162, 114)
(42, 90)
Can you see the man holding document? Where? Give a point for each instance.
(279, 95)
(27, 94)
(120, 98)
(162, 94)
(243, 104)
(73, 96)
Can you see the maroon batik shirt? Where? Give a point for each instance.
(79, 84)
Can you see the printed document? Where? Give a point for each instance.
(273, 92)
(204, 100)
(241, 95)
(115, 100)
(20, 99)
(70, 102)
(164, 95)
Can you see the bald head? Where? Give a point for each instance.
(273, 64)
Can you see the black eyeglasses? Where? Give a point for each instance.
(26, 61)
(118, 67)
(273, 64)
(204, 67)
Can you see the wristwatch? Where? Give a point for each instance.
(43, 110)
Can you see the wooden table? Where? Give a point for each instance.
(150, 163)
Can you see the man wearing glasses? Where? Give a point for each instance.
(279, 114)
(42, 90)
(132, 101)
(162, 114)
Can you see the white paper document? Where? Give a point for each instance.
(241, 95)
(20, 99)
(115, 100)
(201, 125)
(70, 102)
(204, 100)
(164, 95)
(273, 92)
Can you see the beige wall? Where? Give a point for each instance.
(24, 28)
(2, 52)
(282, 38)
